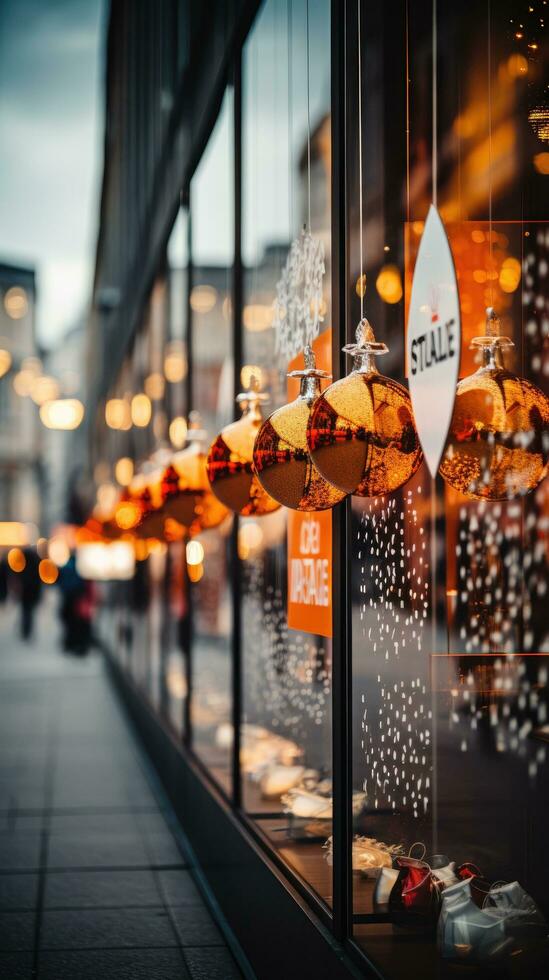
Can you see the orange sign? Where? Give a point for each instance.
(310, 540)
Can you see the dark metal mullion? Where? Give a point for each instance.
(187, 638)
(236, 644)
(341, 649)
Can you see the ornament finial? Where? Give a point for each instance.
(492, 322)
(364, 333)
(309, 357)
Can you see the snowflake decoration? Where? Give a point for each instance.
(299, 304)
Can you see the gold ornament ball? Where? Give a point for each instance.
(281, 456)
(230, 466)
(361, 434)
(498, 444)
(186, 493)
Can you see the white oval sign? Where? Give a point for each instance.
(433, 339)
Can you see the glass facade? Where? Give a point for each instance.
(442, 638)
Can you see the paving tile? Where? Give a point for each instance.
(16, 930)
(16, 966)
(114, 964)
(100, 889)
(212, 964)
(18, 891)
(195, 927)
(76, 823)
(179, 888)
(153, 822)
(163, 850)
(69, 793)
(104, 928)
(97, 850)
(15, 822)
(20, 852)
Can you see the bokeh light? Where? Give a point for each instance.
(16, 303)
(48, 571)
(16, 560)
(178, 432)
(195, 553)
(123, 471)
(175, 362)
(141, 410)
(64, 413)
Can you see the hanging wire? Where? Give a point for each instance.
(435, 108)
(290, 125)
(308, 127)
(407, 115)
(360, 206)
(490, 243)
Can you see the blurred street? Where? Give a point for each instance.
(92, 880)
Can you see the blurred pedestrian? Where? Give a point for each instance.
(30, 589)
(76, 610)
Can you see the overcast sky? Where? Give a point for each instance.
(51, 140)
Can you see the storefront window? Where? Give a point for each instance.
(286, 731)
(448, 638)
(175, 366)
(212, 244)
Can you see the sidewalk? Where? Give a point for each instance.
(92, 882)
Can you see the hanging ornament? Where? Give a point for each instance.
(186, 493)
(361, 433)
(230, 460)
(281, 457)
(498, 442)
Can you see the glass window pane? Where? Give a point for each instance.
(212, 222)
(450, 643)
(286, 732)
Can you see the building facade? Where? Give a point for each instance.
(20, 473)
(303, 756)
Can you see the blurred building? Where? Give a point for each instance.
(20, 475)
(64, 452)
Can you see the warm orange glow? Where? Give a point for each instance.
(123, 471)
(42, 547)
(249, 371)
(195, 572)
(44, 389)
(59, 551)
(361, 285)
(257, 317)
(127, 515)
(517, 65)
(64, 413)
(389, 284)
(13, 533)
(141, 549)
(203, 299)
(23, 382)
(250, 539)
(195, 553)
(16, 303)
(173, 530)
(178, 432)
(5, 361)
(175, 362)
(541, 163)
(141, 410)
(117, 414)
(154, 386)
(48, 571)
(509, 276)
(16, 560)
